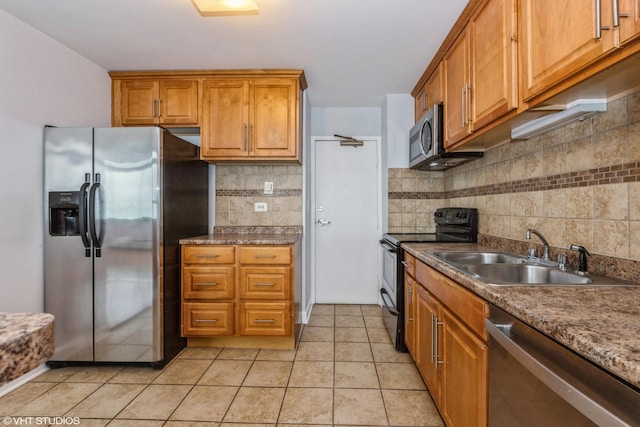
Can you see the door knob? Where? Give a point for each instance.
(323, 222)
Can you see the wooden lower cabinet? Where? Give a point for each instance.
(207, 319)
(265, 318)
(238, 291)
(451, 355)
(464, 375)
(410, 313)
(427, 314)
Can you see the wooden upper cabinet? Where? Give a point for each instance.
(273, 114)
(143, 102)
(558, 38)
(629, 15)
(420, 101)
(481, 71)
(137, 102)
(178, 102)
(434, 87)
(456, 105)
(494, 52)
(251, 119)
(225, 121)
(430, 94)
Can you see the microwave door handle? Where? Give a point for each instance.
(424, 149)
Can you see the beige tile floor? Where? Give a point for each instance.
(344, 372)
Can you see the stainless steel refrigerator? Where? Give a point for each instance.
(116, 202)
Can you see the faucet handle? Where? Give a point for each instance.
(562, 261)
(531, 252)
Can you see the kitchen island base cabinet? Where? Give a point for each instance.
(451, 351)
(239, 295)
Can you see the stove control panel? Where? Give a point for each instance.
(455, 216)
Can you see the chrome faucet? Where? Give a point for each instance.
(545, 256)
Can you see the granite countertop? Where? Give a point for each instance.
(598, 322)
(26, 341)
(242, 239)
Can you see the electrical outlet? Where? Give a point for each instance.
(268, 187)
(260, 207)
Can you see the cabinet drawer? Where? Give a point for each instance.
(203, 319)
(409, 263)
(265, 283)
(208, 282)
(472, 310)
(269, 318)
(265, 255)
(208, 254)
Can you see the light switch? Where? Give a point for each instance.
(260, 207)
(268, 187)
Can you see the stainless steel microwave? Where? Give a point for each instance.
(426, 144)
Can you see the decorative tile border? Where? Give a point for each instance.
(396, 195)
(258, 193)
(626, 172)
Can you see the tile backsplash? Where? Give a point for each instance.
(576, 184)
(239, 187)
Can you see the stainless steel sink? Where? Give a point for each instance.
(524, 274)
(464, 257)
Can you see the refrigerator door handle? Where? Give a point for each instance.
(82, 217)
(97, 238)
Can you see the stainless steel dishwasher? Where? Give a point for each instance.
(535, 381)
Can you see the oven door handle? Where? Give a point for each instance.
(392, 309)
(387, 247)
(568, 392)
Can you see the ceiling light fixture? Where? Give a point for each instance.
(226, 7)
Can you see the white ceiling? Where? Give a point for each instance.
(353, 51)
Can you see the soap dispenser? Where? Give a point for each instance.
(582, 258)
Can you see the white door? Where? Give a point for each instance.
(346, 222)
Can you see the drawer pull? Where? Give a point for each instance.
(264, 321)
(264, 284)
(207, 256)
(265, 256)
(206, 320)
(207, 284)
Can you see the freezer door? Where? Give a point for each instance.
(124, 206)
(68, 287)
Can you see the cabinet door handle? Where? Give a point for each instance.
(468, 104)
(462, 100)
(206, 320)
(410, 292)
(438, 361)
(159, 107)
(250, 138)
(265, 256)
(264, 284)
(244, 137)
(207, 284)
(153, 108)
(433, 335)
(598, 17)
(264, 321)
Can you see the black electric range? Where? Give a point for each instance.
(453, 225)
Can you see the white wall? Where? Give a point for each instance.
(41, 82)
(397, 118)
(346, 121)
